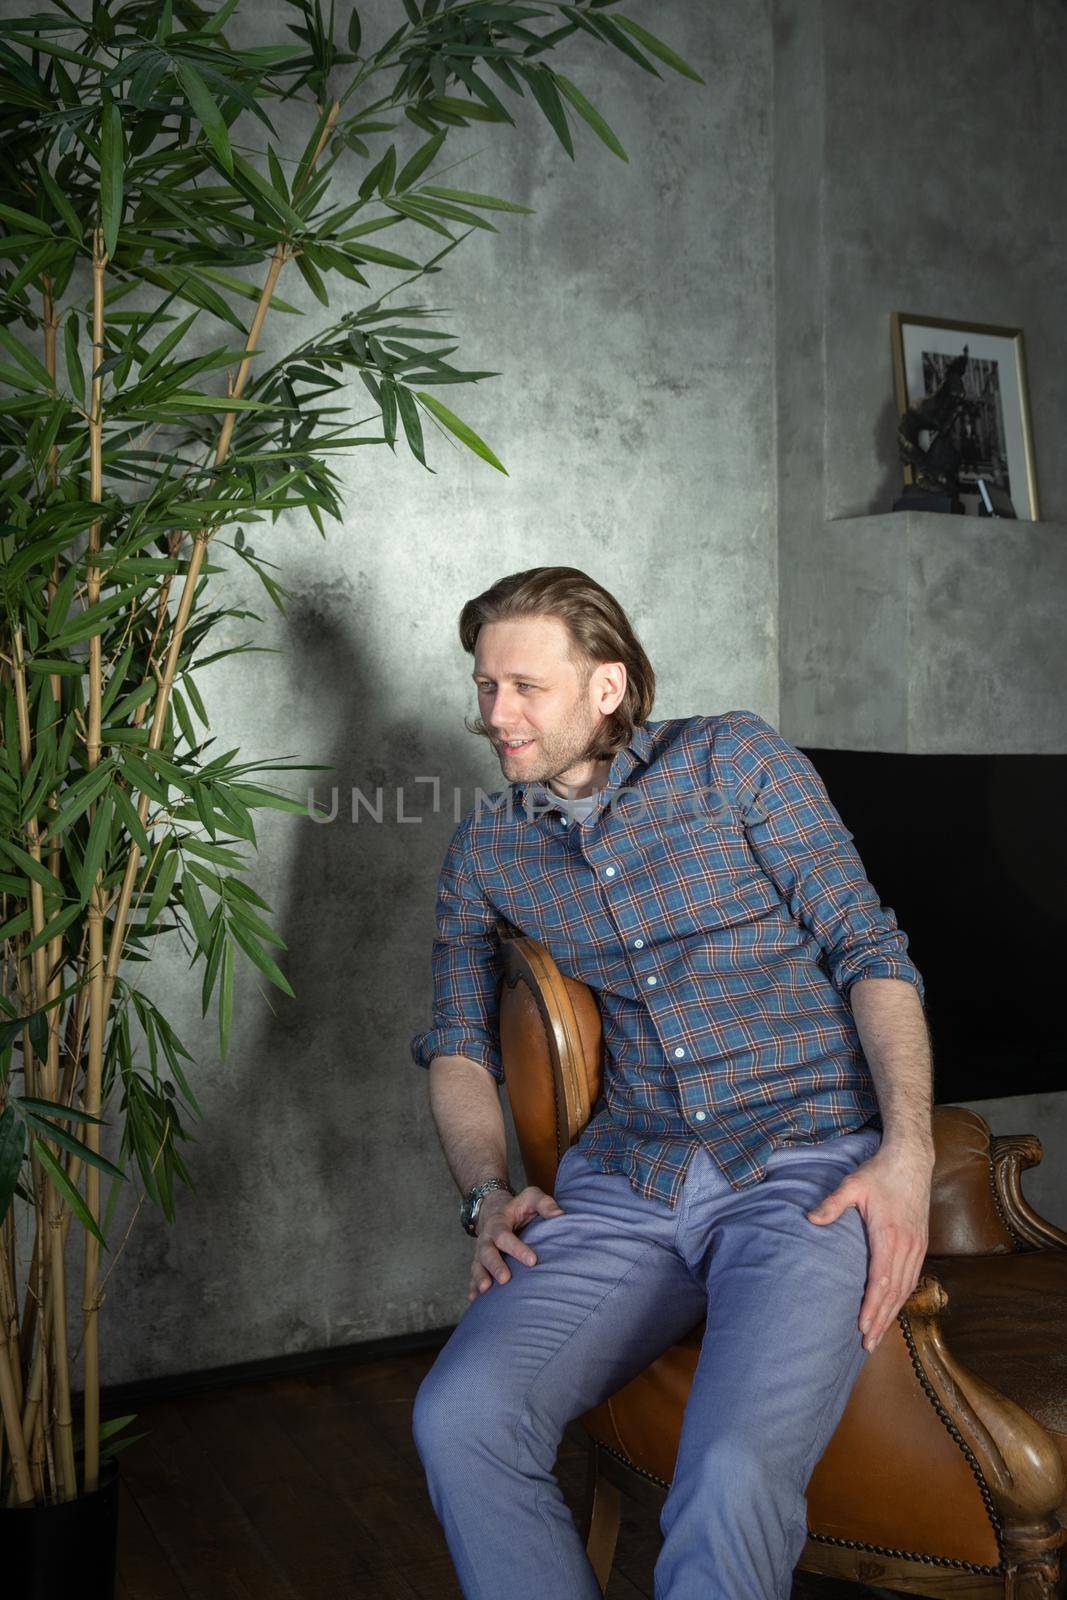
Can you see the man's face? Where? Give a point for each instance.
(530, 690)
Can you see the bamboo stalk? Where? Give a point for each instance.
(13, 1429)
(103, 975)
(40, 1454)
(98, 994)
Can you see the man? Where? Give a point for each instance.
(759, 1012)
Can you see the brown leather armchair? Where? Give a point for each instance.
(947, 1474)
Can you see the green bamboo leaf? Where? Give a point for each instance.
(66, 1188)
(270, 798)
(52, 929)
(445, 208)
(541, 81)
(94, 619)
(194, 695)
(384, 258)
(33, 869)
(266, 963)
(248, 177)
(214, 852)
(450, 105)
(221, 17)
(75, 1145)
(277, 176)
(214, 958)
(468, 197)
(193, 901)
(256, 924)
(388, 393)
(387, 171)
(16, 925)
(418, 163)
(74, 223)
(165, 875)
(303, 166)
(142, 778)
(112, 159)
(22, 219)
(207, 112)
(312, 277)
(184, 719)
(656, 47)
(477, 86)
(34, 41)
(25, 359)
(75, 372)
(96, 847)
(128, 814)
(12, 1145)
(163, 349)
(591, 115)
(407, 208)
(225, 998)
(409, 415)
(609, 30)
(78, 798)
(455, 425)
(355, 32)
(53, 1108)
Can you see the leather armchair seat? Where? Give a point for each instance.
(948, 1471)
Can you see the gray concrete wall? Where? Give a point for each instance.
(918, 168)
(632, 321)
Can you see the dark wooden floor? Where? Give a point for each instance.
(309, 1488)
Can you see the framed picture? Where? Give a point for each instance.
(993, 434)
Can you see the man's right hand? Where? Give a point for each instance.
(500, 1216)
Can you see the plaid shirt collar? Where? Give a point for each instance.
(536, 797)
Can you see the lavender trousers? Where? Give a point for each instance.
(618, 1279)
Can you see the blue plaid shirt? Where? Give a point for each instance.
(716, 904)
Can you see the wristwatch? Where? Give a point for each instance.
(472, 1203)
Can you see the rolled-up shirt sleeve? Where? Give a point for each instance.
(802, 844)
(466, 971)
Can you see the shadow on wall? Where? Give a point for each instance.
(333, 1110)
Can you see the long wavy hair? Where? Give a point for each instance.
(599, 630)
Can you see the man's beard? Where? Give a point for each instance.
(562, 749)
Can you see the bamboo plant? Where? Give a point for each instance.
(148, 423)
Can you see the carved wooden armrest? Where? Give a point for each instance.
(1011, 1154)
(1019, 1467)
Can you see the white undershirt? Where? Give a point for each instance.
(578, 809)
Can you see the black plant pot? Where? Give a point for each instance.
(54, 1552)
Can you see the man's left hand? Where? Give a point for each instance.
(891, 1192)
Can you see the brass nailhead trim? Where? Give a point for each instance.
(1020, 1243)
(907, 1555)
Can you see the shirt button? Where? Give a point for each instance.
(639, 944)
(609, 872)
(679, 1051)
(701, 1116)
(650, 980)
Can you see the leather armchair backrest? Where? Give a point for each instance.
(552, 1048)
(550, 1038)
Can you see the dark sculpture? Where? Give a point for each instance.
(937, 467)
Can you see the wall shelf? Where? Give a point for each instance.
(928, 634)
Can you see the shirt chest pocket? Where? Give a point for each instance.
(692, 872)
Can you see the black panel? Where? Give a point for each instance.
(971, 853)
